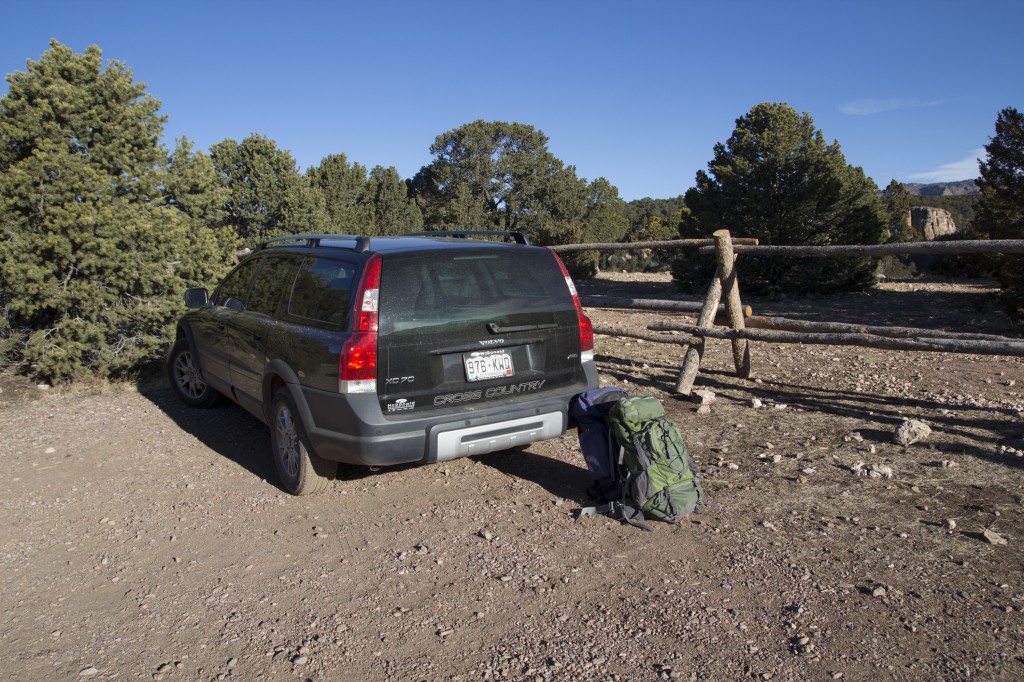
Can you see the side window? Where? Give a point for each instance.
(272, 279)
(231, 292)
(322, 291)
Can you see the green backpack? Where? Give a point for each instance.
(659, 478)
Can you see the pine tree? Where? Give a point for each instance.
(1000, 212)
(344, 190)
(95, 256)
(776, 179)
(267, 196)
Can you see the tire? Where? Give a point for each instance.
(301, 471)
(186, 379)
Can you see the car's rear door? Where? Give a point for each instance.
(215, 331)
(247, 355)
(467, 327)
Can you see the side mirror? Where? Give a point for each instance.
(197, 297)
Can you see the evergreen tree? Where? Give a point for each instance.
(489, 174)
(1000, 212)
(643, 212)
(394, 211)
(345, 192)
(897, 211)
(95, 257)
(605, 215)
(267, 196)
(498, 175)
(776, 179)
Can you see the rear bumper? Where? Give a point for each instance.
(359, 434)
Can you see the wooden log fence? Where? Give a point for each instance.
(634, 333)
(901, 249)
(743, 327)
(786, 324)
(652, 304)
(632, 246)
(935, 344)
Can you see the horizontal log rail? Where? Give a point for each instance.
(791, 325)
(1015, 348)
(629, 246)
(902, 248)
(635, 333)
(650, 304)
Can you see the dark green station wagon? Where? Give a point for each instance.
(388, 350)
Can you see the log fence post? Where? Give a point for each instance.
(733, 306)
(691, 361)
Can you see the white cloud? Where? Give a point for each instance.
(869, 106)
(964, 169)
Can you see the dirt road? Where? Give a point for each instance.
(145, 540)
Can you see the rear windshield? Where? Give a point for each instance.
(503, 287)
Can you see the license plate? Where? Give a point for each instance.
(488, 364)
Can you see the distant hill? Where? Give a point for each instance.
(942, 189)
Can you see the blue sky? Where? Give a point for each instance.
(637, 92)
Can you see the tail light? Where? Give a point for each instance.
(586, 328)
(358, 367)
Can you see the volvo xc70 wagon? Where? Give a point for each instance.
(388, 350)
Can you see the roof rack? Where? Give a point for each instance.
(361, 246)
(517, 237)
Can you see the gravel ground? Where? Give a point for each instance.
(145, 540)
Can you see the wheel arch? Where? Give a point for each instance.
(279, 375)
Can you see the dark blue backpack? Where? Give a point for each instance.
(590, 409)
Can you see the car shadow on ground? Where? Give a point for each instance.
(239, 437)
(561, 479)
(226, 429)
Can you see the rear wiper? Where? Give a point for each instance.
(493, 328)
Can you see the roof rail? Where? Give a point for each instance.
(517, 237)
(362, 244)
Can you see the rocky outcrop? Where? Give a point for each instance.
(931, 223)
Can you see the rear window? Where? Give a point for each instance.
(322, 291)
(503, 287)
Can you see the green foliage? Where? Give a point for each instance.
(344, 192)
(604, 218)
(498, 175)
(897, 201)
(488, 174)
(96, 254)
(267, 196)
(776, 179)
(377, 203)
(1000, 211)
(193, 185)
(642, 214)
(897, 212)
(393, 212)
